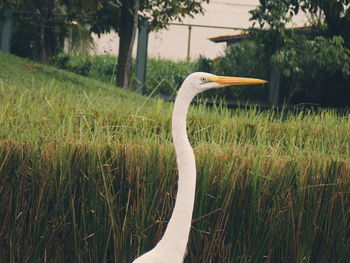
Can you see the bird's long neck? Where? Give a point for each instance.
(176, 235)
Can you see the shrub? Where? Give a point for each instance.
(205, 64)
(246, 60)
(100, 67)
(77, 64)
(164, 77)
(311, 66)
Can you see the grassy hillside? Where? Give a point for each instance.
(87, 174)
(43, 103)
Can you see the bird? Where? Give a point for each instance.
(172, 246)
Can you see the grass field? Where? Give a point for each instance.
(87, 174)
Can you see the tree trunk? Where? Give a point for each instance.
(128, 28)
(51, 47)
(42, 43)
(274, 92)
(6, 31)
(47, 32)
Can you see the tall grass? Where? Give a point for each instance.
(88, 174)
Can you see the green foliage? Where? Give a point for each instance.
(77, 64)
(331, 55)
(99, 67)
(205, 64)
(336, 14)
(275, 13)
(158, 12)
(306, 63)
(309, 59)
(124, 21)
(304, 59)
(165, 76)
(40, 27)
(25, 39)
(9, 4)
(33, 29)
(79, 40)
(106, 18)
(245, 60)
(87, 174)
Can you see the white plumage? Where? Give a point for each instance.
(172, 247)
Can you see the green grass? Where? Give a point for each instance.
(87, 174)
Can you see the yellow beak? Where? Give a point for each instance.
(234, 81)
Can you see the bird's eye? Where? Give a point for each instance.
(203, 79)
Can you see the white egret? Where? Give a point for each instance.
(172, 247)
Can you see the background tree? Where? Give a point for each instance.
(127, 32)
(40, 26)
(119, 15)
(37, 30)
(335, 14)
(10, 5)
(314, 61)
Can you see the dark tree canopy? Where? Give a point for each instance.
(40, 26)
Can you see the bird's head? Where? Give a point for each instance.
(201, 81)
